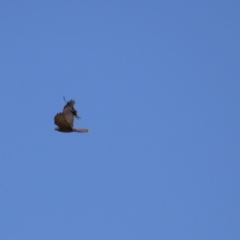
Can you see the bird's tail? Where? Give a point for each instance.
(81, 130)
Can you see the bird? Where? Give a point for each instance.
(65, 119)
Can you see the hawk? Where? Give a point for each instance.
(65, 119)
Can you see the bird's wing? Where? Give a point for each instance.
(69, 104)
(61, 122)
(69, 112)
(69, 117)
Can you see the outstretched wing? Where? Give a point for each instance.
(70, 112)
(62, 123)
(69, 104)
(69, 117)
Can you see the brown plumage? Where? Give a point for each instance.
(65, 119)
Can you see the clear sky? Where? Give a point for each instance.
(157, 83)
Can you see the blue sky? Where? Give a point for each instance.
(157, 83)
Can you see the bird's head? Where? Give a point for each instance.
(74, 112)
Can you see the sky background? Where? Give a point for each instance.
(157, 83)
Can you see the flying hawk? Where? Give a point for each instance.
(65, 119)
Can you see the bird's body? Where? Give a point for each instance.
(65, 119)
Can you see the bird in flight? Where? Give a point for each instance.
(64, 120)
